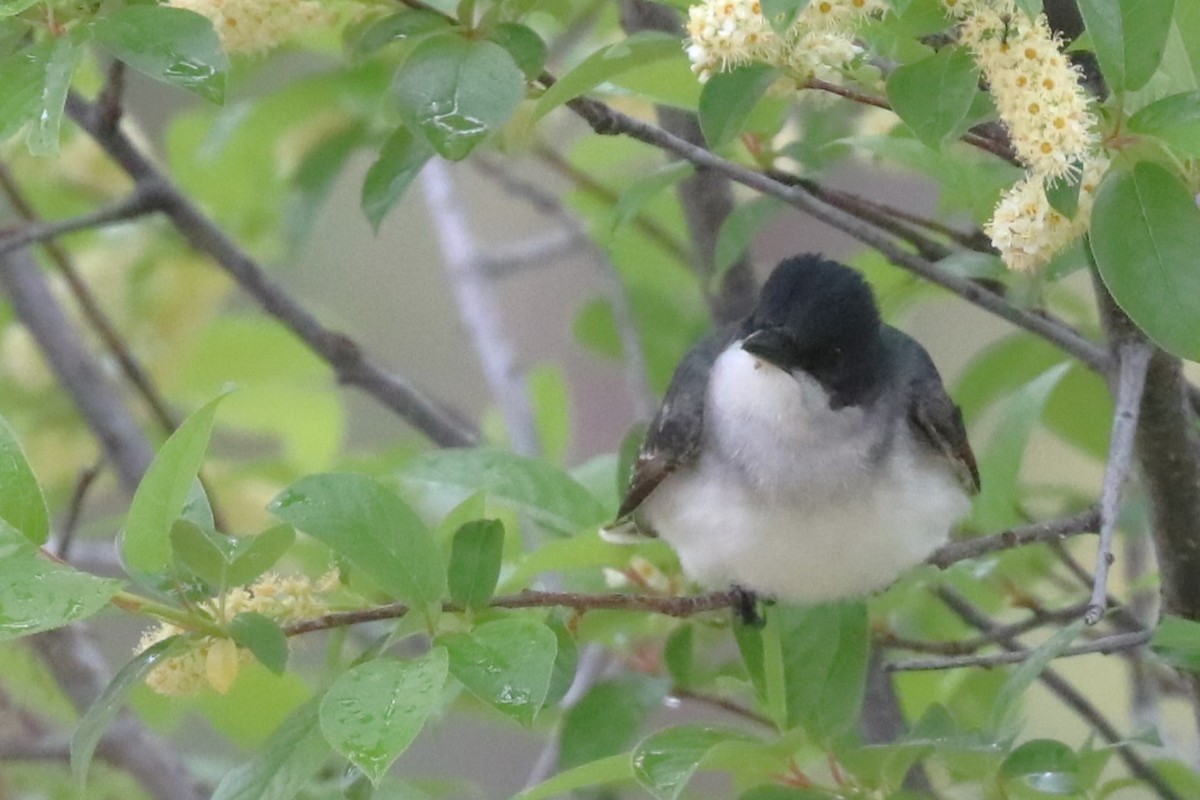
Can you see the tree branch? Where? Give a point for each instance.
(1132, 360)
(137, 204)
(1107, 644)
(1047, 531)
(342, 353)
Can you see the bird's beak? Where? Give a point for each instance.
(771, 345)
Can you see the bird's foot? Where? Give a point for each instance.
(746, 607)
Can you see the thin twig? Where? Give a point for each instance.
(722, 703)
(1106, 644)
(1037, 619)
(1047, 531)
(1132, 360)
(1068, 694)
(343, 354)
(137, 204)
(84, 482)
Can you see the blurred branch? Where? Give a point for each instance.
(137, 204)
(1132, 360)
(1067, 693)
(1038, 619)
(111, 101)
(721, 704)
(478, 308)
(83, 483)
(342, 353)
(1106, 644)
(1047, 531)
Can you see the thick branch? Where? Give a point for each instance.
(339, 351)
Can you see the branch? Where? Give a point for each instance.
(139, 203)
(722, 704)
(1038, 532)
(1132, 359)
(1106, 644)
(478, 309)
(686, 606)
(1037, 619)
(342, 353)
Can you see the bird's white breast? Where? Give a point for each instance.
(795, 500)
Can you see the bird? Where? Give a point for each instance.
(804, 454)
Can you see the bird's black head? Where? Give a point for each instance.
(819, 317)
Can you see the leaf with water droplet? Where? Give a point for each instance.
(372, 527)
(21, 502)
(61, 59)
(665, 761)
(372, 713)
(455, 92)
(172, 45)
(37, 594)
(1047, 766)
(506, 663)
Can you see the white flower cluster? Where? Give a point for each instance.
(255, 26)
(728, 33)
(1042, 103)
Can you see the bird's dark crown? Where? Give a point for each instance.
(818, 316)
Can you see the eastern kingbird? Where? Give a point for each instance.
(806, 453)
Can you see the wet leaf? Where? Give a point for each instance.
(664, 762)
(1044, 765)
(372, 713)
(284, 765)
(21, 501)
(61, 58)
(506, 663)
(172, 45)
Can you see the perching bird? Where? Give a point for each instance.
(808, 453)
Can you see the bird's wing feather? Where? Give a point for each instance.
(674, 438)
(938, 421)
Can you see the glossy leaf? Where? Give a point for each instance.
(665, 761)
(37, 594)
(532, 486)
(607, 719)
(1175, 120)
(404, 26)
(172, 45)
(373, 713)
(728, 98)
(284, 765)
(400, 161)
(367, 523)
(594, 773)
(1129, 37)
(263, 637)
(933, 96)
(161, 495)
(21, 503)
(475, 562)
(506, 663)
(61, 58)
(527, 49)
(105, 708)
(1044, 765)
(454, 92)
(634, 51)
(1145, 234)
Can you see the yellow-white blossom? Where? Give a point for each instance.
(1028, 231)
(217, 661)
(724, 34)
(255, 26)
(1035, 87)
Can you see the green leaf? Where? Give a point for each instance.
(1063, 194)
(1007, 708)
(782, 14)
(728, 98)
(171, 45)
(1129, 37)
(10, 8)
(527, 49)
(21, 501)
(679, 654)
(400, 27)
(254, 555)
(21, 90)
(104, 710)
(823, 652)
(454, 92)
(37, 594)
(739, 229)
(1177, 642)
(1044, 765)
(665, 761)
(400, 161)
(644, 189)
(204, 553)
(777, 792)
(637, 50)
(263, 637)
(284, 765)
(506, 663)
(373, 713)
(1031, 7)
(160, 497)
(368, 523)
(934, 95)
(566, 660)
(60, 61)
(1175, 120)
(545, 492)
(595, 773)
(475, 562)
(1145, 234)
(607, 718)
